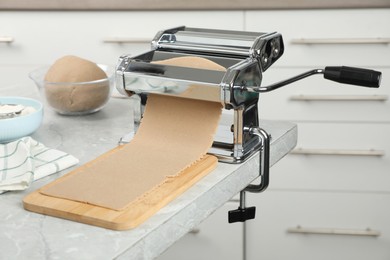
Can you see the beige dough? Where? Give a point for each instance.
(74, 69)
(174, 134)
(202, 92)
(70, 98)
(192, 62)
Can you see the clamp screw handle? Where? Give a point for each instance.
(242, 213)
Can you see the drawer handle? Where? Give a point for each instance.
(126, 40)
(194, 231)
(303, 151)
(6, 39)
(309, 41)
(334, 231)
(379, 98)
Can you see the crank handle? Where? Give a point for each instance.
(347, 75)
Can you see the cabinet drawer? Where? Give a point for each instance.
(316, 98)
(50, 35)
(360, 221)
(214, 239)
(338, 37)
(348, 157)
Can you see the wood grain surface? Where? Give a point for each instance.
(136, 213)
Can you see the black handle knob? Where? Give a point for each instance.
(242, 214)
(354, 76)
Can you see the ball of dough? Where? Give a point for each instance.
(74, 69)
(72, 97)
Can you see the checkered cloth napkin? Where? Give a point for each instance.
(26, 160)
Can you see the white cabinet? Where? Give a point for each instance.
(317, 99)
(360, 219)
(328, 37)
(337, 157)
(42, 37)
(337, 178)
(215, 238)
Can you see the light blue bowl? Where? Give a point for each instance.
(20, 126)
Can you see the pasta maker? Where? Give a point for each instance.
(246, 56)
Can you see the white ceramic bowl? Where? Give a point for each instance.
(23, 125)
(78, 98)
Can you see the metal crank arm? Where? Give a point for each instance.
(342, 74)
(243, 213)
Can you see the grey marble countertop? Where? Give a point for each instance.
(27, 235)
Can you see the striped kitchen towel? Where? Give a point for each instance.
(26, 160)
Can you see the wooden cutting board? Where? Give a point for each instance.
(137, 212)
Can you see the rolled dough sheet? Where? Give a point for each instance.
(174, 134)
(192, 62)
